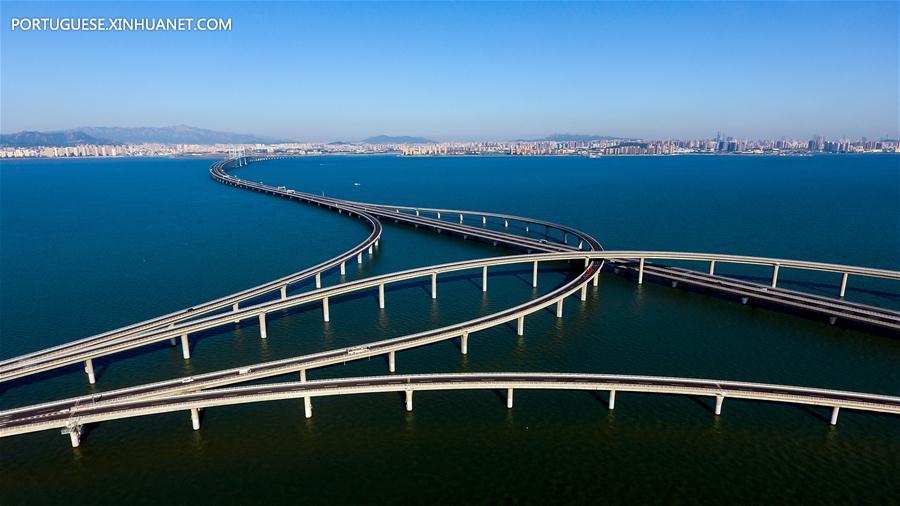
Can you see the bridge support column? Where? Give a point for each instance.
(775, 275)
(392, 361)
(719, 400)
(381, 296)
(641, 273)
(172, 341)
(307, 402)
(262, 326)
(283, 292)
(359, 258)
(371, 250)
(484, 278)
(559, 307)
(464, 343)
(834, 414)
(597, 277)
(612, 400)
(584, 292)
(89, 369)
(325, 315)
(185, 347)
(438, 215)
(844, 284)
(520, 328)
(417, 212)
(484, 220)
(195, 418)
(534, 269)
(234, 308)
(565, 238)
(712, 267)
(318, 280)
(433, 285)
(505, 223)
(509, 398)
(460, 218)
(409, 400)
(75, 437)
(527, 229)
(343, 268)
(580, 244)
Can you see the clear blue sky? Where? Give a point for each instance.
(457, 71)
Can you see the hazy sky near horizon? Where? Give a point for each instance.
(460, 71)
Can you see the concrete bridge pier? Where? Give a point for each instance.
(371, 250)
(612, 400)
(185, 347)
(484, 220)
(318, 280)
(520, 328)
(262, 326)
(464, 343)
(534, 270)
(597, 278)
(509, 398)
(844, 284)
(565, 238)
(195, 418)
(505, 223)
(172, 341)
(559, 307)
(359, 258)
(641, 272)
(719, 400)
(527, 229)
(392, 361)
(584, 292)
(307, 402)
(484, 278)
(409, 400)
(343, 268)
(438, 215)
(325, 315)
(834, 414)
(89, 369)
(234, 309)
(712, 267)
(75, 436)
(775, 275)
(433, 285)
(381, 296)
(460, 218)
(283, 292)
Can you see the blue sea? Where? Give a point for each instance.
(89, 245)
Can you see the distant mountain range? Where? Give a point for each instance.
(177, 134)
(397, 139)
(67, 138)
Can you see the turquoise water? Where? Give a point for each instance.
(88, 245)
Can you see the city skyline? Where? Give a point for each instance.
(321, 73)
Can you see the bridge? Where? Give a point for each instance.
(543, 243)
(72, 420)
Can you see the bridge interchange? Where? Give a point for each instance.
(180, 324)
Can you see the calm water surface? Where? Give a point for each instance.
(89, 245)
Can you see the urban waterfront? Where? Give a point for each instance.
(92, 259)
